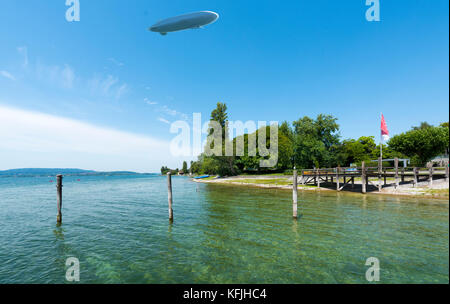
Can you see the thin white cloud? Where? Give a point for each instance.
(121, 91)
(68, 76)
(151, 103)
(107, 86)
(163, 120)
(23, 50)
(116, 62)
(32, 139)
(62, 76)
(8, 75)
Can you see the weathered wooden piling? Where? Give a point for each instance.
(363, 177)
(446, 172)
(403, 175)
(337, 179)
(59, 197)
(318, 178)
(430, 176)
(385, 182)
(169, 188)
(396, 172)
(415, 180)
(380, 165)
(294, 195)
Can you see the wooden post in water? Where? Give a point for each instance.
(430, 176)
(415, 177)
(294, 195)
(318, 178)
(446, 172)
(363, 177)
(396, 172)
(403, 175)
(59, 197)
(337, 179)
(385, 177)
(169, 188)
(353, 182)
(380, 164)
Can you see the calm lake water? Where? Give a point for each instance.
(118, 228)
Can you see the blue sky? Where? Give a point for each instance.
(268, 60)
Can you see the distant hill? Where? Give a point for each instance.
(51, 172)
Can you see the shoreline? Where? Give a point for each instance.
(439, 190)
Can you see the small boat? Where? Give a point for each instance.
(200, 177)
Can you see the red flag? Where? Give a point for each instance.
(384, 129)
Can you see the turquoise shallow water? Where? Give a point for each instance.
(118, 228)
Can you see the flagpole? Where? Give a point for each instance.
(381, 141)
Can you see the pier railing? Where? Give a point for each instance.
(378, 176)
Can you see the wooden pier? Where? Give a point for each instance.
(373, 178)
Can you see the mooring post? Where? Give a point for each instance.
(446, 172)
(396, 172)
(403, 175)
(59, 197)
(385, 177)
(363, 177)
(169, 188)
(294, 195)
(380, 165)
(430, 178)
(415, 177)
(318, 178)
(337, 179)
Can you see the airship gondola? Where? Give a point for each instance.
(184, 22)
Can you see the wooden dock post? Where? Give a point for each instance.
(59, 197)
(396, 172)
(337, 179)
(430, 176)
(385, 183)
(318, 178)
(353, 182)
(415, 181)
(294, 195)
(380, 164)
(403, 175)
(169, 188)
(446, 172)
(363, 177)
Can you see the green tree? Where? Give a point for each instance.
(220, 164)
(185, 167)
(358, 150)
(423, 125)
(316, 141)
(421, 144)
